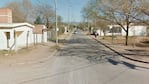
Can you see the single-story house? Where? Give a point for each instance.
(40, 34)
(14, 36)
(134, 30)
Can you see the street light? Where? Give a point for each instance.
(56, 28)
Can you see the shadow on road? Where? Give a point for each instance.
(87, 49)
(129, 65)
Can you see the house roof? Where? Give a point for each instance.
(39, 29)
(14, 25)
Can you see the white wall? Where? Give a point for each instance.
(3, 39)
(21, 39)
(136, 31)
(133, 31)
(38, 37)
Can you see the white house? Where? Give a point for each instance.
(40, 34)
(15, 35)
(134, 30)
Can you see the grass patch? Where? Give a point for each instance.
(121, 40)
(3, 52)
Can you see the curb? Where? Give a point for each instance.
(120, 53)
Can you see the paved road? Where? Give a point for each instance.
(81, 61)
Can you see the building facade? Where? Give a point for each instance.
(15, 36)
(40, 34)
(5, 15)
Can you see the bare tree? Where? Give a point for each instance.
(27, 9)
(46, 12)
(17, 14)
(143, 11)
(90, 14)
(21, 10)
(120, 12)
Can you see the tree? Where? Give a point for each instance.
(120, 12)
(102, 24)
(90, 14)
(17, 14)
(38, 20)
(143, 11)
(46, 13)
(27, 9)
(21, 10)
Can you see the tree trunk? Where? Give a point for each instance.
(47, 22)
(127, 31)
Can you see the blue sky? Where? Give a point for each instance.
(63, 6)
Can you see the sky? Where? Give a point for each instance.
(65, 8)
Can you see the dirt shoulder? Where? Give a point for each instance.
(31, 55)
(135, 53)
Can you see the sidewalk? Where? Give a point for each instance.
(137, 54)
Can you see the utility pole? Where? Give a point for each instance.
(68, 15)
(56, 28)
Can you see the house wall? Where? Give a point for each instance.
(40, 34)
(25, 37)
(101, 33)
(45, 37)
(3, 39)
(133, 31)
(136, 31)
(21, 40)
(38, 37)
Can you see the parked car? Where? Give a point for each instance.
(75, 31)
(95, 32)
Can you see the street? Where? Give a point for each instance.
(81, 60)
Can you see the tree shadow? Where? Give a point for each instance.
(92, 52)
(113, 62)
(129, 65)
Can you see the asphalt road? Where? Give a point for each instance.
(81, 60)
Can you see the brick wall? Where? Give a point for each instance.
(5, 15)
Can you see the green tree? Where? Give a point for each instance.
(38, 20)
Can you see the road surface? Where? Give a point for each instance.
(80, 61)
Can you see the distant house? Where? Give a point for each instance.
(40, 34)
(134, 30)
(15, 35)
